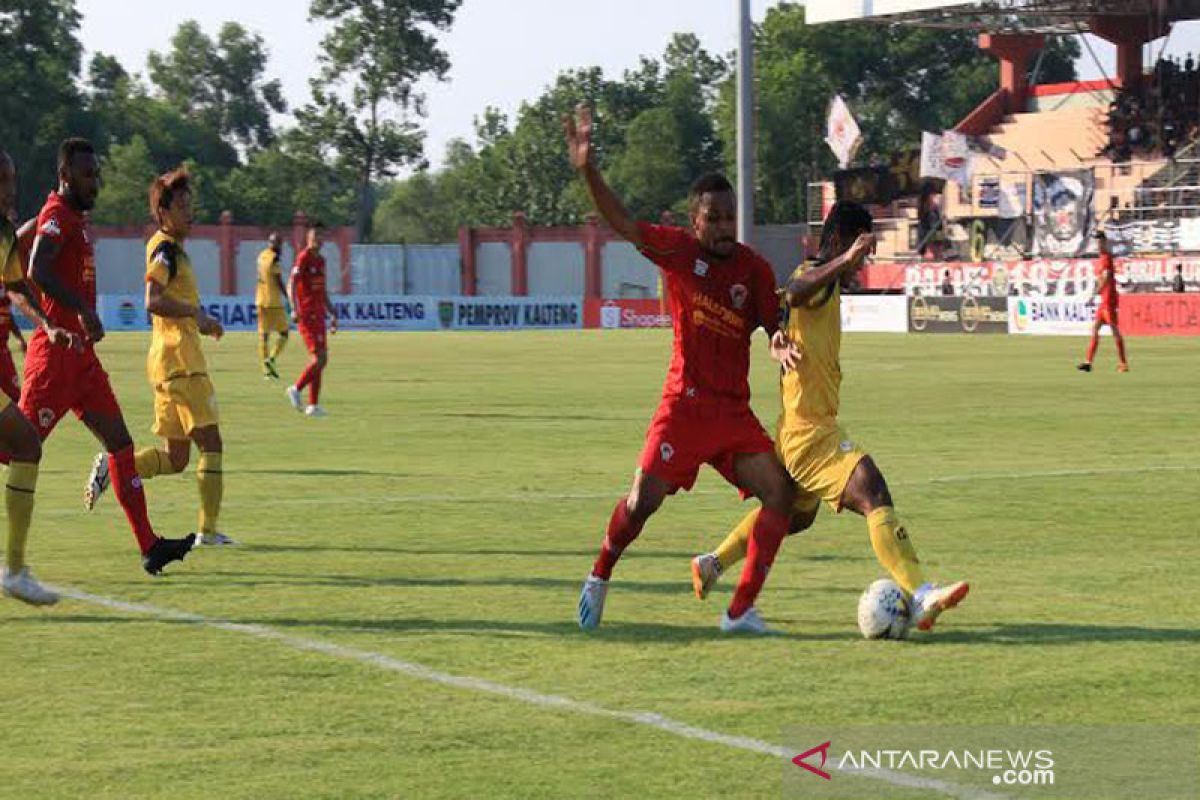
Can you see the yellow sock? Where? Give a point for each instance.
(893, 549)
(280, 343)
(18, 503)
(733, 549)
(262, 347)
(208, 475)
(153, 462)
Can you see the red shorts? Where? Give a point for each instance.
(1107, 315)
(312, 328)
(58, 380)
(685, 434)
(10, 384)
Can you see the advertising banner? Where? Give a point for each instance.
(957, 314)
(509, 313)
(873, 313)
(612, 314)
(1062, 212)
(1160, 314)
(1052, 316)
(127, 312)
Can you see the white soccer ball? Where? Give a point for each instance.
(883, 611)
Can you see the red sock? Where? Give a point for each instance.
(5, 458)
(768, 533)
(306, 377)
(127, 486)
(1121, 350)
(622, 530)
(1092, 345)
(314, 388)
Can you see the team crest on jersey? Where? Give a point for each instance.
(666, 451)
(45, 417)
(738, 294)
(701, 268)
(50, 227)
(847, 446)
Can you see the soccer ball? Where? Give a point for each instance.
(883, 611)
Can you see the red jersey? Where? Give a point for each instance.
(309, 273)
(1105, 270)
(6, 320)
(75, 265)
(715, 307)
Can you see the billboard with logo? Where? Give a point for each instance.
(509, 313)
(1053, 316)
(615, 314)
(873, 313)
(126, 312)
(968, 314)
(1160, 314)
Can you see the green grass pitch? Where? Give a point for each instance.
(448, 509)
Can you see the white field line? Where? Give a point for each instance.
(515, 693)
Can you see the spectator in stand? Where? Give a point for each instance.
(947, 285)
(929, 224)
(1177, 284)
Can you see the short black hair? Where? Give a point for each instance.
(708, 183)
(846, 220)
(71, 148)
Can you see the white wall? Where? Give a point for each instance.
(556, 269)
(626, 273)
(493, 269)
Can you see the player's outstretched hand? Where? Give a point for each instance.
(785, 351)
(210, 327)
(579, 136)
(92, 325)
(61, 337)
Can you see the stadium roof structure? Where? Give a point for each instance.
(999, 16)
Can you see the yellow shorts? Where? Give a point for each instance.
(182, 405)
(820, 457)
(272, 320)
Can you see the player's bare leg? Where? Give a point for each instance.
(1122, 361)
(763, 476)
(1086, 366)
(867, 493)
(211, 483)
(24, 449)
(113, 434)
(630, 515)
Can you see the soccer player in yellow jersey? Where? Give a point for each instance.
(185, 403)
(18, 438)
(822, 459)
(271, 315)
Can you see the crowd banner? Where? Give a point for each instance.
(1062, 212)
(949, 314)
(127, 312)
(509, 313)
(625, 313)
(1052, 316)
(1049, 277)
(874, 313)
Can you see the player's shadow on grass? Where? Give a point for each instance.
(327, 473)
(672, 555)
(1017, 633)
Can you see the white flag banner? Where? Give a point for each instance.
(1012, 199)
(931, 156)
(948, 157)
(843, 134)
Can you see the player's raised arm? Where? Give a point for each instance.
(579, 143)
(810, 282)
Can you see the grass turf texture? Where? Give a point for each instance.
(449, 508)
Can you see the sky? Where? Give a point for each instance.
(501, 51)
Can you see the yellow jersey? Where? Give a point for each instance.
(810, 393)
(268, 295)
(175, 341)
(10, 253)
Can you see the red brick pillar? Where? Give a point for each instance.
(228, 250)
(593, 258)
(1129, 33)
(1015, 50)
(345, 238)
(519, 242)
(466, 255)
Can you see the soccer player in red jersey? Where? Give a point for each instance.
(720, 292)
(310, 303)
(62, 371)
(1106, 313)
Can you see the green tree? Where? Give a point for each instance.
(128, 172)
(415, 210)
(652, 174)
(380, 49)
(40, 57)
(220, 82)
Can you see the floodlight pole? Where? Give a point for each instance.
(745, 130)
